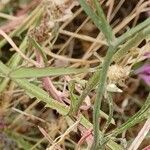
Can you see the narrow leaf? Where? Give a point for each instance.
(73, 97)
(42, 96)
(39, 48)
(44, 72)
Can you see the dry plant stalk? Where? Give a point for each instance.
(59, 12)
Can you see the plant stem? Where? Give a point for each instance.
(142, 114)
(132, 32)
(98, 19)
(102, 81)
(100, 91)
(89, 86)
(133, 42)
(105, 27)
(110, 103)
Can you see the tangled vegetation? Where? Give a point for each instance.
(74, 74)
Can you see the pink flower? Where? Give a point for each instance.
(144, 73)
(147, 55)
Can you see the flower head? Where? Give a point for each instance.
(147, 55)
(144, 73)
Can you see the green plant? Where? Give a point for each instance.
(28, 70)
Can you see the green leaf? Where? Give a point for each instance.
(41, 95)
(44, 72)
(93, 81)
(98, 18)
(73, 97)
(38, 47)
(36, 91)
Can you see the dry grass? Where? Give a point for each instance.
(68, 39)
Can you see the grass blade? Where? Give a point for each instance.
(44, 72)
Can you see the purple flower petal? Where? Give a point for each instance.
(145, 69)
(147, 54)
(146, 78)
(144, 73)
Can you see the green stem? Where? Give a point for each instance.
(98, 19)
(133, 42)
(142, 114)
(102, 81)
(89, 86)
(110, 103)
(94, 80)
(100, 92)
(129, 34)
(105, 27)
